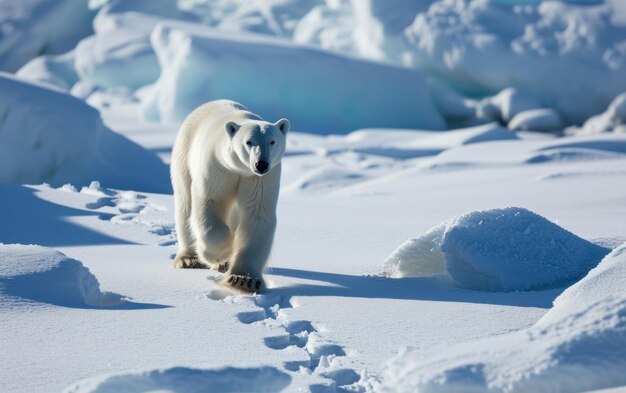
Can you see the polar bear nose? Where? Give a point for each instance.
(262, 166)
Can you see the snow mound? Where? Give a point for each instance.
(577, 346)
(49, 136)
(506, 249)
(45, 275)
(189, 380)
(611, 120)
(31, 28)
(338, 94)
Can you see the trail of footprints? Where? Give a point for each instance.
(309, 351)
(132, 207)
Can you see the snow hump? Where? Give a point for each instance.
(498, 250)
(43, 275)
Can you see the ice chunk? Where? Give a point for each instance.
(379, 30)
(330, 26)
(369, 28)
(505, 105)
(542, 120)
(506, 249)
(577, 346)
(119, 54)
(317, 90)
(611, 120)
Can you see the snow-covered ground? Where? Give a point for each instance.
(406, 258)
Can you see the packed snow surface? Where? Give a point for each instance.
(578, 346)
(508, 249)
(325, 252)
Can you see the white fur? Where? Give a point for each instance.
(225, 209)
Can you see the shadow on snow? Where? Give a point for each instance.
(415, 288)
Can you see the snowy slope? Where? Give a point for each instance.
(49, 136)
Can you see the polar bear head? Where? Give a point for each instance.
(259, 145)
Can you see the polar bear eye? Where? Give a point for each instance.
(272, 142)
(249, 143)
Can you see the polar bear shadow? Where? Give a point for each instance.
(433, 288)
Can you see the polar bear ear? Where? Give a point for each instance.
(283, 126)
(231, 128)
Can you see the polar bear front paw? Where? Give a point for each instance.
(187, 262)
(243, 283)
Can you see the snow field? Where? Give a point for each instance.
(474, 318)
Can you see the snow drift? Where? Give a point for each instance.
(44, 275)
(577, 346)
(319, 91)
(189, 380)
(498, 250)
(49, 136)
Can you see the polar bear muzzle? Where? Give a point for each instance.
(262, 167)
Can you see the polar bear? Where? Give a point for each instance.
(225, 172)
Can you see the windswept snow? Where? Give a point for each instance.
(322, 92)
(509, 249)
(188, 380)
(578, 346)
